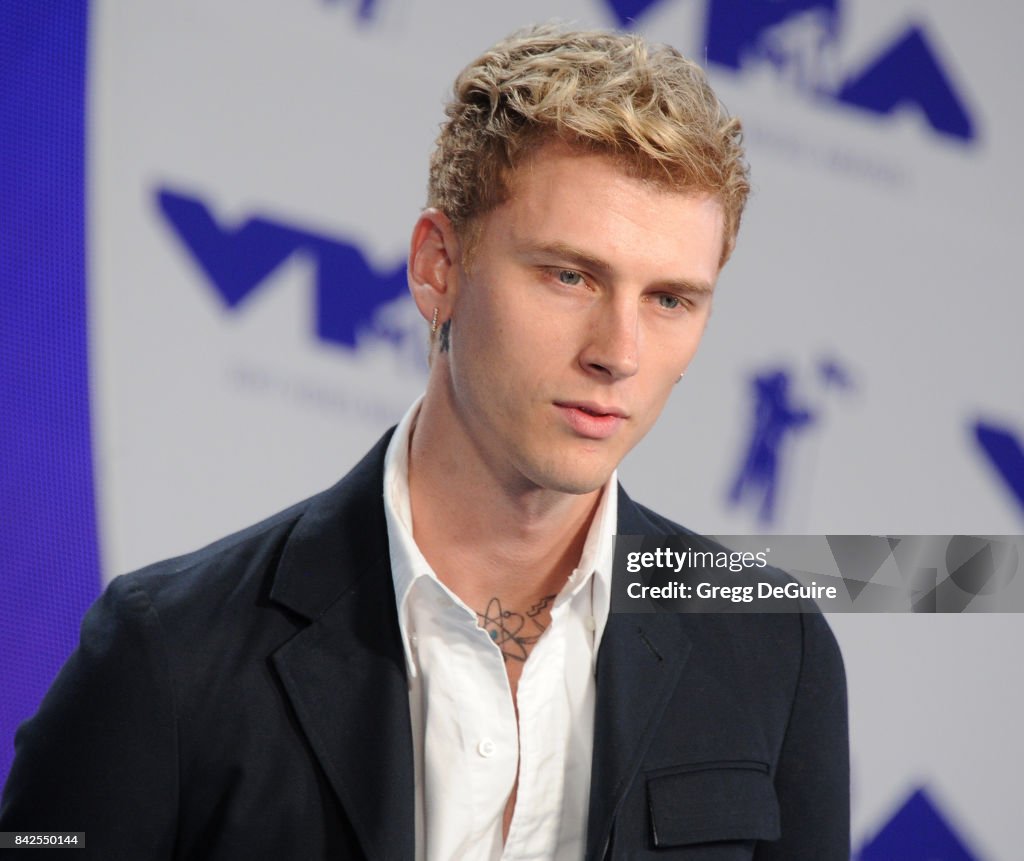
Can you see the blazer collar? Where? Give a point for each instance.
(345, 672)
(340, 536)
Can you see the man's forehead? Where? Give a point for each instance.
(643, 170)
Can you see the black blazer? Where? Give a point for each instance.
(249, 700)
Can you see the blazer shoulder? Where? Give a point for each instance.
(637, 519)
(245, 564)
(218, 568)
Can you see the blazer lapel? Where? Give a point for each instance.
(345, 672)
(639, 665)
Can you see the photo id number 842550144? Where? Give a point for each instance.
(42, 839)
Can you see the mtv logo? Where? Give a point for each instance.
(793, 35)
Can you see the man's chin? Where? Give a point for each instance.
(577, 483)
(567, 470)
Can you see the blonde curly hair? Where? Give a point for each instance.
(643, 104)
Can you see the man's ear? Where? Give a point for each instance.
(434, 251)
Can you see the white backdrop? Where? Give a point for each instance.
(272, 153)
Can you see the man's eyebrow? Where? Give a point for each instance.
(585, 260)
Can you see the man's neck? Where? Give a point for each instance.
(484, 536)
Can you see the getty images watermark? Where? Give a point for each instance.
(839, 573)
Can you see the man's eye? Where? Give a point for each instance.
(667, 300)
(570, 277)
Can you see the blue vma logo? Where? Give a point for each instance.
(800, 37)
(237, 260)
(916, 832)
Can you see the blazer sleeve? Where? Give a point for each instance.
(812, 779)
(100, 755)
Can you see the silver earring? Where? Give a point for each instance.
(683, 374)
(433, 323)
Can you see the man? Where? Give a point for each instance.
(420, 662)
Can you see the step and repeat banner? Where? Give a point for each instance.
(206, 211)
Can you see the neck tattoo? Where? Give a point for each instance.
(515, 633)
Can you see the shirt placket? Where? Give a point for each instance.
(472, 736)
(542, 723)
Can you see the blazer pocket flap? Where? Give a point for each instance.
(708, 803)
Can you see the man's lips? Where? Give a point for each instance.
(592, 408)
(592, 420)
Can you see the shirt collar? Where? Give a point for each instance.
(408, 563)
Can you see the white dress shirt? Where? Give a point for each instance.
(469, 749)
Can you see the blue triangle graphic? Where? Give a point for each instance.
(917, 832)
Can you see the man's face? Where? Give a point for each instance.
(585, 298)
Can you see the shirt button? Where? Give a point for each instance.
(485, 748)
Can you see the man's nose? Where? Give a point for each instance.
(613, 340)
